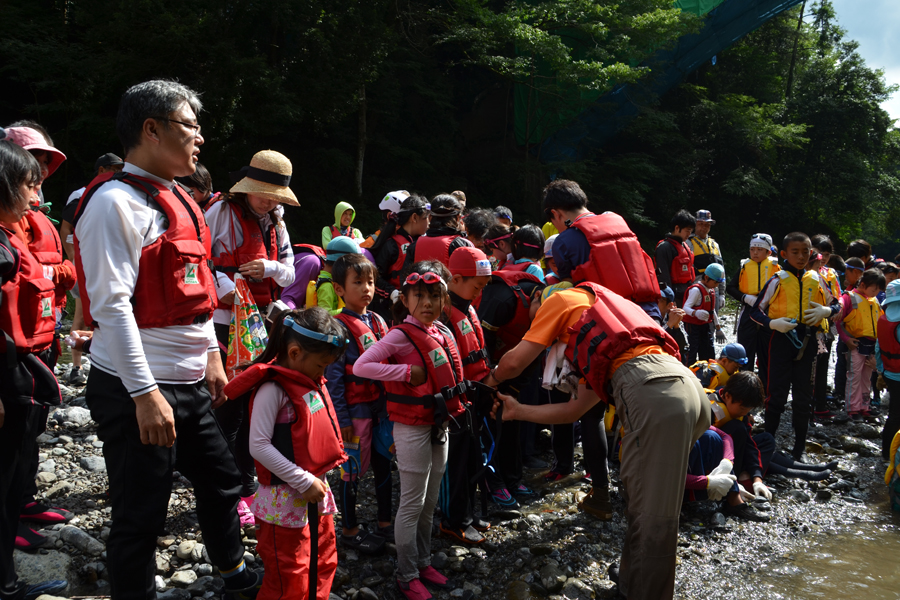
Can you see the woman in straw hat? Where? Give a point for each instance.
(249, 237)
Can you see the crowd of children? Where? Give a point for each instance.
(434, 343)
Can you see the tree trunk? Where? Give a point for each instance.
(361, 141)
(790, 78)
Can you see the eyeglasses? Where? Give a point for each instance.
(428, 278)
(192, 126)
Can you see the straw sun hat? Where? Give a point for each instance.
(268, 175)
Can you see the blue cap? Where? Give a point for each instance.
(705, 215)
(667, 293)
(716, 272)
(340, 246)
(736, 353)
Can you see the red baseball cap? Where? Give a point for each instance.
(469, 262)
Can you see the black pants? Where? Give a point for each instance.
(892, 425)
(563, 440)
(788, 373)
(381, 471)
(48, 357)
(821, 384)
(747, 336)
(234, 419)
(840, 370)
(140, 481)
(700, 342)
(457, 495)
(18, 442)
(751, 454)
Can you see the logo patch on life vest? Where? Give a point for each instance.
(438, 358)
(684, 268)
(464, 327)
(403, 247)
(46, 308)
(314, 402)
(366, 340)
(190, 274)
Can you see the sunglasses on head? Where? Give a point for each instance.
(428, 278)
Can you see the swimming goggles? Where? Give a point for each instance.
(334, 340)
(428, 278)
(492, 243)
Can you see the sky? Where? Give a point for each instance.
(874, 23)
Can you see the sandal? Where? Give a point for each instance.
(469, 535)
(364, 541)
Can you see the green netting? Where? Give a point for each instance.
(537, 114)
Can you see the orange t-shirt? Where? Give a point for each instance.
(556, 314)
(641, 350)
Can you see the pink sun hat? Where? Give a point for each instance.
(31, 139)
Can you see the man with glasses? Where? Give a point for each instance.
(142, 250)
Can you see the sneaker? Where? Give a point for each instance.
(857, 417)
(596, 502)
(366, 542)
(76, 376)
(522, 491)
(587, 478)
(613, 573)
(245, 514)
(503, 498)
(247, 593)
(28, 539)
(467, 535)
(553, 476)
(823, 415)
(387, 532)
(743, 511)
(48, 588)
(431, 576)
(481, 524)
(413, 590)
(41, 513)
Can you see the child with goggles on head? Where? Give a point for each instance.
(424, 360)
(527, 250)
(295, 441)
(498, 245)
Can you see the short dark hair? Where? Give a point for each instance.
(795, 236)
(873, 277)
(495, 232)
(199, 179)
(836, 262)
(528, 242)
(478, 222)
(888, 268)
(563, 194)
(358, 263)
(746, 388)
(151, 100)
(502, 211)
(855, 261)
(859, 249)
(822, 243)
(683, 219)
(17, 166)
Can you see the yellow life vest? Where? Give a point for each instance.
(861, 321)
(710, 246)
(754, 275)
(789, 302)
(711, 374)
(720, 414)
(312, 299)
(830, 277)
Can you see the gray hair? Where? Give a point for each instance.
(148, 100)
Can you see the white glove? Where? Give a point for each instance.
(747, 496)
(760, 489)
(395, 295)
(724, 468)
(719, 485)
(703, 315)
(749, 299)
(783, 325)
(815, 313)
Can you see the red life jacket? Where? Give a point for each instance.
(356, 389)
(46, 248)
(336, 232)
(682, 267)
(707, 303)
(28, 308)
(394, 274)
(175, 268)
(257, 244)
(434, 248)
(607, 329)
(313, 439)
(511, 334)
(888, 344)
(470, 339)
(443, 392)
(513, 266)
(551, 279)
(617, 260)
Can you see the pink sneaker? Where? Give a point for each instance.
(413, 590)
(244, 513)
(432, 576)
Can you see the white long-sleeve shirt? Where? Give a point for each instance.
(118, 222)
(693, 301)
(221, 218)
(270, 406)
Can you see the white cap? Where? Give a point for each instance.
(393, 200)
(548, 246)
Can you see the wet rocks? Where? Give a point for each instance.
(552, 578)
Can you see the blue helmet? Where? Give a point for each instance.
(340, 246)
(715, 271)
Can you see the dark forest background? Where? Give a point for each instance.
(783, 132)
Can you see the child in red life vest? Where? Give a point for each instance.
(858, 329)
(359, 403)
(295, 440)
(700, 312)
(550, 276)
(527, 250)
(471, 272)
(425, 360)
(498, 242)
